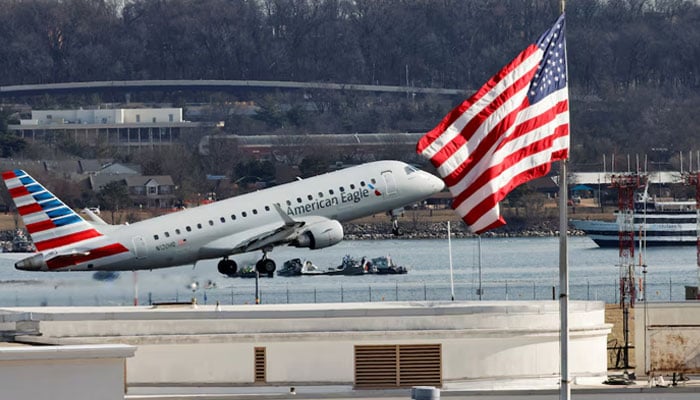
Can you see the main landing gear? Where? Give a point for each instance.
(227, 267)
(264, 266)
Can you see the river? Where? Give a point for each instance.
(511, 268)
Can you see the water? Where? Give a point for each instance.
(512, 268)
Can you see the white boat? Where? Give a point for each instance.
(664, 223)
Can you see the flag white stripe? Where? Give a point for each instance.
(527, 163)
(456, 127)
(460, 156)
(494, 157)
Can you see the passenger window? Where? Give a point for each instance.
(298, 199)
(199, 226)
(310, 197)
(342, 189)
(155, 237)
(244, 214)
(233, 217)
(211, 222)
(167, 234)
(177, 231)
(222, 219)
(352, 186)
(362, 183)
(188, 229)
(330, 192)
(255, 211)
(289, 202)
(267, 208)
(374, 181)
(320, 194)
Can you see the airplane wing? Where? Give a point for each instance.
(287, 231)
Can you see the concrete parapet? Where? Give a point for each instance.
(314, 343)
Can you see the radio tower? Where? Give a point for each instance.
(626, 185)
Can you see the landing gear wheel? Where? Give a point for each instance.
(266, 266)
(227, 267)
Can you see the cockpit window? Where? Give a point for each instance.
(409, 170)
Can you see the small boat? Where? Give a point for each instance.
(291, 268)
(385, 265)
(665, 223)
(349, 266)
(250, 272)
(310, 268)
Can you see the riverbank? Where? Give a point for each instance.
(413, 224)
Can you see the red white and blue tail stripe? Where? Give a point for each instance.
(50, 223)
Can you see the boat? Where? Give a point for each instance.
(291, 268)
(311, 269)
(385, 265)
(250, 272)
(349, 266)
(295, 267)
(665, 223)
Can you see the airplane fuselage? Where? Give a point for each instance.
(249, 222)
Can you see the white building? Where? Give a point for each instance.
(129, 127)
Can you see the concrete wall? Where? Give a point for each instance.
(667, 338)
(314, 343)
(63, 372)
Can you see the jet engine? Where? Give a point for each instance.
(319, 235)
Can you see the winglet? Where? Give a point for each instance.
(288, 221)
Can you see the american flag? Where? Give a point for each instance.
(505, 134)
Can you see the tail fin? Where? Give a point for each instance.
(48, 220)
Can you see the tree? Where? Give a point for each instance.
(114, 196)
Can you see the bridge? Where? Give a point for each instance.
(211, 85)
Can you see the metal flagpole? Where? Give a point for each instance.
(565, 388)
(449, 250)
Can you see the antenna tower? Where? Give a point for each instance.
(626, 185)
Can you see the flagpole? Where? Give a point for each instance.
(565, 389)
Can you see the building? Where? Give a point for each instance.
(124, 127)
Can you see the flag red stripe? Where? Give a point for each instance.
(40, 226)
(534, 147)
(453, 115)
(509, 161)
(482, 149)
(75, 259)
(478, 120)
(67, 239)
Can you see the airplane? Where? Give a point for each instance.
(305, 213)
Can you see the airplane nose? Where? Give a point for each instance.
(435, 183)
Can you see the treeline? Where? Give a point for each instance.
(427, 43)
(634, 65)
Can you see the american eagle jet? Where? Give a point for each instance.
(304, 213)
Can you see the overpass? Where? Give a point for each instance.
(210, 85)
